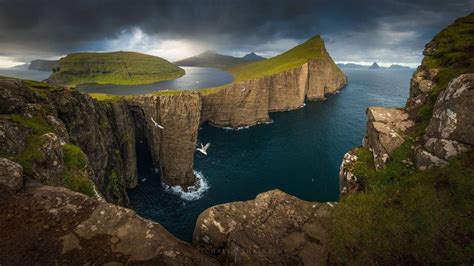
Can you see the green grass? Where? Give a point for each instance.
(412, 217)
(126, 68)
(312, 49)
(114, 187)
(76, 177)
(453, 56)
(105, 97)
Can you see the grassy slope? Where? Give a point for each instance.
(406, 216)
(127, 68)
(312, 49)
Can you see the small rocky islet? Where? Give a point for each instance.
(67, 160)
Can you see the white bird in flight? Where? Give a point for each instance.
(203, 148)
(156, 124)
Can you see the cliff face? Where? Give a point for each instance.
(249, 102)
(172, 148)
(38, 121)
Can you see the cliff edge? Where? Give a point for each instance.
(407, 192)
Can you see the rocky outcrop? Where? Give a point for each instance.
(386, 128)
(11, 174)
(273, 229)
(348, 181)
(249, 102)
(451, 129)
(53, 225)
(172, 147)
(421, 84)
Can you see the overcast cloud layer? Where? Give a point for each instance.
(384, 31)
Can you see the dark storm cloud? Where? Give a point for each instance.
(33, 28)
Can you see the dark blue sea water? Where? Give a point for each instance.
(299, 153)
(195, 78)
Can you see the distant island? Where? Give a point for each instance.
(374, 65)
(212, 59)
(123, 68)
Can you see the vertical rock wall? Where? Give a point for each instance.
(248, 103)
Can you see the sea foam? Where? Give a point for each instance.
(194, 192)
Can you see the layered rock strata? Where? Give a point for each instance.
(273, 229)
(249, 102)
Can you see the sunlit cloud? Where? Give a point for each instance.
(6, 61)
(138, 41)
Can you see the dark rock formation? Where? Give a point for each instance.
(374, 66)
(273, 229)
(172, 148)
(53, 225)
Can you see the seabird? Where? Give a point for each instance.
(156, 124)
(243, 89)
(203, 148)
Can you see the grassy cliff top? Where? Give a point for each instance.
(310, 50)
(452, 52)
(126, 68)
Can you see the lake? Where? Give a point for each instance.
(299, 153)
(195, 78)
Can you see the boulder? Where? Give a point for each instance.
(275, 228)
(453, 113)
(386, 128)
(11, 174)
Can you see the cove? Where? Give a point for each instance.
(299, 153)
(195, 78)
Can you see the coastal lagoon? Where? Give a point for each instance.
(195, 78)
(299, 153)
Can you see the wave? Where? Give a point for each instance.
(191, 193)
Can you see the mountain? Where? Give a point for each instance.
(374, 66)
(252, 57)
(213, 59)
(126, 68)
(350, 65)
(22, 66)
(395, 66)
(43, 65)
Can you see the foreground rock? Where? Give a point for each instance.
(11, 174)
(52, 225)
(451, 128)
(386, 128)
(275, 228)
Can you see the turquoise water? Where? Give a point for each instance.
(299, 153)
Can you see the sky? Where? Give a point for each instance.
(386, 31)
